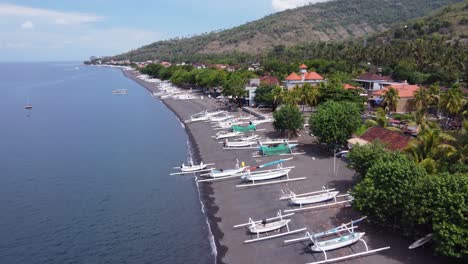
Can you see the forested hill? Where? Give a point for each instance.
(330, 21)
(450, 23)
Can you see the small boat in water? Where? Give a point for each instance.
(28, 106)
(120, 91)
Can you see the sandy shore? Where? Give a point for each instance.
(227, 205)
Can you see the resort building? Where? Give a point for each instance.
(269, 80)
(405, 91)
(294, 79)
(373, 82)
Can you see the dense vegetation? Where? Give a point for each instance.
(331, 21)
(398, 193)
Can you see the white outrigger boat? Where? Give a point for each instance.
(239, 144)
(220, 118)
(344, 199)
(249, 138)
(228, 124)
(223, 135)
(309, 198)
(269, 225)
(336, 243)
(267, 176)
(268, 142)
(192, 168)
(218, 175)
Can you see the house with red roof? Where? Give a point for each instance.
(373, 81)
(166, 64)
(303, 77)
(269, 80)
(393, 140)
(405, 91)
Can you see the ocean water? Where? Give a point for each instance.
(84, 175)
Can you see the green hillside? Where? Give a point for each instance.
(449, 23)
(331, 21)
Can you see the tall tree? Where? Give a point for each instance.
(431, 146)
(289, 120)
(452, 100)
(235, 86)
(335, 122)
(390, 99)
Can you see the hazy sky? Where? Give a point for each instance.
(48, 30)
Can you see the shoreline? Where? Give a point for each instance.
(227, 206)
(205, 190)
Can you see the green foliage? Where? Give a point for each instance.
(386, 187)
(452, 100)
(363, 157)
(427, 50)
(235, 86)
(264, 95)
(289, 120)
(335, 122)
(438, 203)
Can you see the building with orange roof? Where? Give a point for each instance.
(405, 91)
(303, 77)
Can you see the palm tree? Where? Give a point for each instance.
(390, 98)
(422, 99)
(431, 145)
(452, 100)
(278, 96)
(312, 96)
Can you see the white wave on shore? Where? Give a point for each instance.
(211, 237)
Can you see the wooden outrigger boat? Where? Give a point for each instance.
(220, 173)
(223, 135)
(228, 124)
(269, 142)
(309, 198)
(220, 118)
(218, 177)
(345, 199)
(248, 138)
(336, 243)
(342, 228)
(192, 168)
(268, 225)
(239, 144)
(266, 177)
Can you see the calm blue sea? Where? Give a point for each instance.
(84, 175)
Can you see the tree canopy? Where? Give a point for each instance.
(335, 122)
(289, 120)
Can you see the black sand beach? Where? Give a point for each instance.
(227, 205)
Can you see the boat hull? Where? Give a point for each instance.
(336, 243)
(268, 227)
(313, 198)
(266, 175)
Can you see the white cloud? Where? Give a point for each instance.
(280, 5)
(58, 17)
(27, 25)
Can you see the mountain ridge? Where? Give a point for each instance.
(333, 21)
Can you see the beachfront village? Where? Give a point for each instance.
(405, 139)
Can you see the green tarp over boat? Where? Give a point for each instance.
(248, 128)
(277, 150)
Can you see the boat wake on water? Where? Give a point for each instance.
(211, 237)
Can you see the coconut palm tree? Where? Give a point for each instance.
(422, 99)
(278, 95)
(452, 100)
(431, 145)
(390, 98)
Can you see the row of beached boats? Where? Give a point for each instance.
(238, 137)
